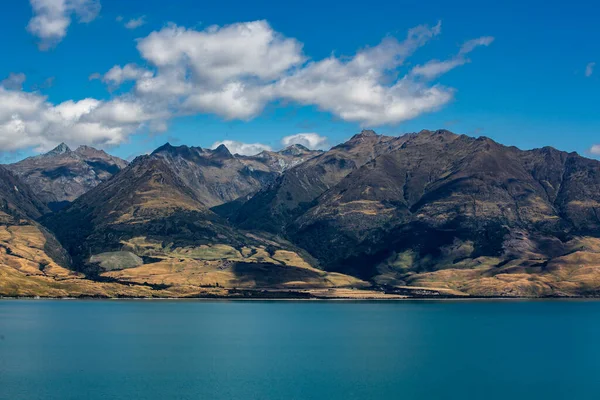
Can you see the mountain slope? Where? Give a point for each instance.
(442, 202)
(147, 226)
(282, 160)
(217, 176)
(431, 213)
(19, 210)
(277, 205)
(26, 248)
(144, 199)
(17, 198)
(61, 175)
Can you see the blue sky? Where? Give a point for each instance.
(527, 87)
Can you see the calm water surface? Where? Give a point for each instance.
(299, 350)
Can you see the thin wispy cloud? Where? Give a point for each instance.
(135, 22)
(52, 18)
(45, 84)
(14, 81)
(435, 68)
(589, 69)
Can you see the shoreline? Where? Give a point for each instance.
(348, 294)
(302, 299)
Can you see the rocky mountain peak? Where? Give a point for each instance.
(85, 149)
(58, 150)
(294, 150)
(437, 132)
(61, 175)
(365, 134)
(165, 148)
(222, 151)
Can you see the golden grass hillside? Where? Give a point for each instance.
(576, 273)
(26, 270)
(222, 265)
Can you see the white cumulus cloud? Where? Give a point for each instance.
(236, 70)
(232, 71)
(29, 120)
(245, 149)
(595, 150)
(51, 18)
(130, 72)
(219, 55)
(364, 88)
(313, 141)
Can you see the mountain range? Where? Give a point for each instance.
(62, 175)
(427, 214)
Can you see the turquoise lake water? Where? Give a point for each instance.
(299, 350)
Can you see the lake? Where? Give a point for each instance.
(299, 349)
